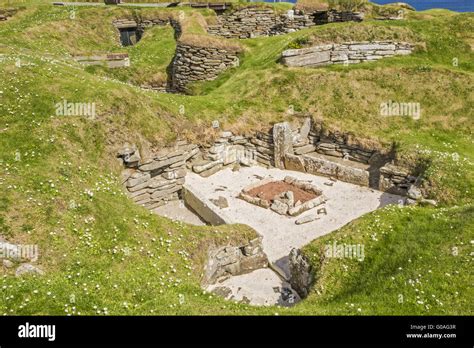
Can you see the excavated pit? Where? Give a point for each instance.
(291, 185)
(217, 200)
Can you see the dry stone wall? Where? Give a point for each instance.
(398, 180)
(301, 272)
(233, 150)
(155, 181)
(316, 150)
(333, 16)
(310, 148)
(254, 21)
(345, 53)
(192, 63)
(227, 261)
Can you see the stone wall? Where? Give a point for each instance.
(110, 60)
(395, 179)
(192, 63)
(309, 148)
(333, 16)
(229, 261)
(155, 181)
(334, 143)
(255, 21)
(345, 53)
(230, 150)
(341, 156)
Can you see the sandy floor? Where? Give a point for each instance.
(261, 287)
(345, 202)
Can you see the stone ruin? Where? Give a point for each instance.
(344, 53)
(289, 197)
(253, 21)
(163, 177)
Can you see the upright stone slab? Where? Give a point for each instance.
(305, 128)
(283, 143)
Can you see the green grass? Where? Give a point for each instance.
(131, 254)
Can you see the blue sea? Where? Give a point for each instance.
(420, 5)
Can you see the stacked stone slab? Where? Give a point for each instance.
(301, 272)
(343, 16)
(395, 179)
(264, 148)
(313, 139)
(254, 21)
(343, 145)
(284, 204)
(227, 261)
(193, 63)
(230, 149)
(342, 156)
(345, 53)
(155, 181)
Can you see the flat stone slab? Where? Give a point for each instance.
(177, 210)
(262, 287)
(345, 202)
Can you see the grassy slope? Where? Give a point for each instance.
(62, 157)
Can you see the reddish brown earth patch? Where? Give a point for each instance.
(273, 189)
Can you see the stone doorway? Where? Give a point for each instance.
(130, 36)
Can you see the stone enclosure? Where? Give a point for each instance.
(289, 196)
(345, 53)
(341, 177)
(311, 148)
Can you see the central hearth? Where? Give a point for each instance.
(289, 196)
